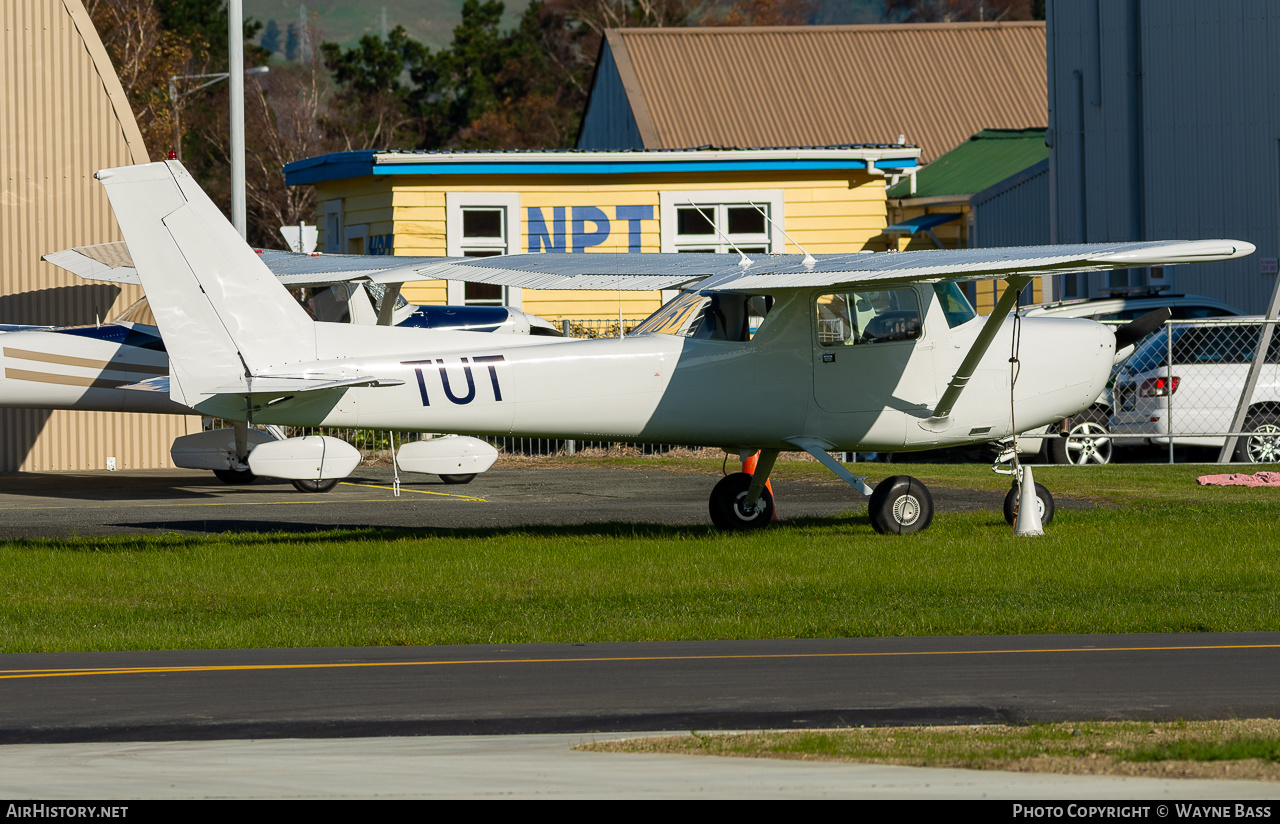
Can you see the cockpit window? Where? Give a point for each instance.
(721, 316)
(855, 318)
(681, 316)
(954, 304)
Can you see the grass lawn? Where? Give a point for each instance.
(1158, 554)
(1232, 749)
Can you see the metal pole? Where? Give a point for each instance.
(235, 68)
(1251, 381)
(1169, 379)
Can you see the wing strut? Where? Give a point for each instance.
(940, 419)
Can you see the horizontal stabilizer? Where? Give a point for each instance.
(106, 261)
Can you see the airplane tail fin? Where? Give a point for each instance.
(222, 313)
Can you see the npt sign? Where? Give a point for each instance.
(578, 228)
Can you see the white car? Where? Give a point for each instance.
(1195, 400)
(1088, 439)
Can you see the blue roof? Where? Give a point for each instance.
(922, 222)
(373, 162)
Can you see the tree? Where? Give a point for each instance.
(371, 106)
(271, 37)
(955, 11)
(146, 56)
(765, 13)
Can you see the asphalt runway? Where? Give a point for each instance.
(618, 687)
(148, 501)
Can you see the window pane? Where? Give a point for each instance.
(954, 305)
(868, 317)
(482, 293)
(695, 221)
(482, 223)
(745, 220)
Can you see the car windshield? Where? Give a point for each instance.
(1216, 344)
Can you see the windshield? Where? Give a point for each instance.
(680, 316)
(954, 304)
(1225, 343)
(728, 316)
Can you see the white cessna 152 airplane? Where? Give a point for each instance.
(858, 352)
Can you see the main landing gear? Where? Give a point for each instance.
(899, 505)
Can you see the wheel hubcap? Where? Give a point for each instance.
(1264, 444)
(1089, 443)
(906, 510)
(745, 514)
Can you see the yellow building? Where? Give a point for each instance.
(699, 200)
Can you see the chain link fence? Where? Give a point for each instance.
(1192, 384)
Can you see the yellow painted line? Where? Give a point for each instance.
(59, 673)
(117, 504)
(419, 491)
(317, 499)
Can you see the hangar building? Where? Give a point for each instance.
(65, 117)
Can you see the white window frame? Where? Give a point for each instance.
(772, 199)
(334, 241)
(513, 224)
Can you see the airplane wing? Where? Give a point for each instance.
(113, 262)
(712, 272)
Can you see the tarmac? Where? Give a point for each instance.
(526, 767)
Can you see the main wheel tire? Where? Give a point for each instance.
(235, 477)
(726, 508)
(315, 486)
(1088, 440)
(1043, 497)
(1262, 444)
(458, 479)
(900, 505)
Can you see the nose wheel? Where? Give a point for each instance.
(900, 505)
(1043, 499)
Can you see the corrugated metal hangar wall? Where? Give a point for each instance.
(1164, 119)
(65, 116)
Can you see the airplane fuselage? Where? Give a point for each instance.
(83, 368)
(779, 385)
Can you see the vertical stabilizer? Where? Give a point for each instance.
(222, 313)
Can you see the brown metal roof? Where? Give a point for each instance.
(936, 84)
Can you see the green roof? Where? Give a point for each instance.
(980, 162)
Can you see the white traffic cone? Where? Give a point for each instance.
(1027, 521)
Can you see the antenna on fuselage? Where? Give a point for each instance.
(808, 258)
